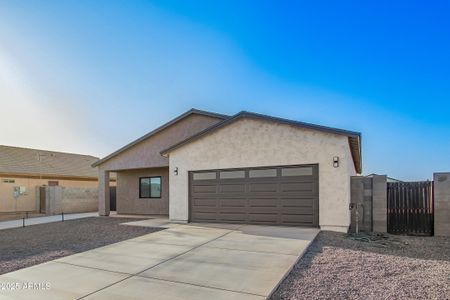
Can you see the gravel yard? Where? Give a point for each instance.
(24, 247)
(400, 267)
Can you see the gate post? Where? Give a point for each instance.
(441, 204)
(379, 204)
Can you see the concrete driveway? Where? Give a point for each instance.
(195, 261)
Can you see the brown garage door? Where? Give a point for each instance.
(286, 195)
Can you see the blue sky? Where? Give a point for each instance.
(90, 76)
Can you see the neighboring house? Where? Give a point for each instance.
(23, 169)
(388, 179)
(247, 168)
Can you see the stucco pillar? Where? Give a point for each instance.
(103, 193)
(379, 204)
(441, 204)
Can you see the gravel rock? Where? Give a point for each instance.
(337, 267)
(24, 247)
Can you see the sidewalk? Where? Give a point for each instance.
(47, 219)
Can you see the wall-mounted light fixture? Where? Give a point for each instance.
(336, 161)
(175, 171)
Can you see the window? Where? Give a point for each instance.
(9, 181)
(150, 187)
(205, 176)
(263, 173)
(303, 171)
(53, 183)
(232, 174)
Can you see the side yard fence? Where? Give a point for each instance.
(415, 208)
(58, 199)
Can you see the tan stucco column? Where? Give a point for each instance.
(103, 193)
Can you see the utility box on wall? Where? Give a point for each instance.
(19, 191)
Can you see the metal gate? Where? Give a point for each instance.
(410, 208)
(112, 198)
(42, 201)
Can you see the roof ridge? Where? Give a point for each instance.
(43, 150)
(306, 124)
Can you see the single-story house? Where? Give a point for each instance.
(246, 168)
(23, 169)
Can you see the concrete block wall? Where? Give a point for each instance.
(370, 193)
(379, 203)
(70, 200)
(441, 204)
(361, 194)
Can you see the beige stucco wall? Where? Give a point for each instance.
(127, 193)
(28, 201)
(252, 143)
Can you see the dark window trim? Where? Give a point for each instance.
(150, 188)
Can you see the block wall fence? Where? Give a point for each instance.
(370, 193)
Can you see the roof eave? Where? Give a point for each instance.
(49, 175)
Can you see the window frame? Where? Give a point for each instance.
(150, 187)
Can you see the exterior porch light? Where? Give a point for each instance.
(336, 161)
(175, 171)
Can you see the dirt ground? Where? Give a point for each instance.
(337, 266)
(31, 245)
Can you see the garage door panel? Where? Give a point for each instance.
(263, 187)
(232, 202)
(297, 187)
(297, 219)
(206, 209)
(297, 211)
(283, 210)
(232, 188)
(239, 217)
(204, 189)
(258, 202)
(264, 210)
(297, 202)
(236, 197)
(263, 217)
(200, 216)
(204, 202)
(229, 209)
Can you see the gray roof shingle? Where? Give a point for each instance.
(21, 161)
